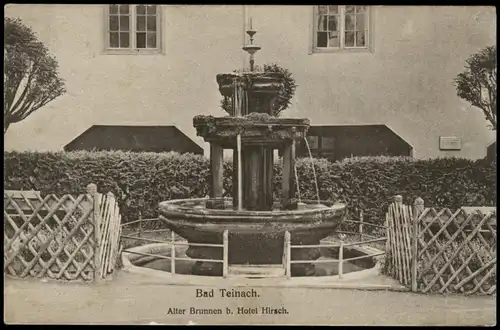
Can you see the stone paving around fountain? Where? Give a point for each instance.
(370, 280)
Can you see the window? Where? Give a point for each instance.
(327, 142)
(341, 28)
(320, 146)
(313, 142)
(133, 28)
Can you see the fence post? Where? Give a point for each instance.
(172, 252)
(417, 210)
(288, 254)
(361, 226)
(92, 191)
(225, 259)
(341, 255)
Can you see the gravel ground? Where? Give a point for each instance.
(133, 299)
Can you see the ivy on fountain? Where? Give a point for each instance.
(284, 96)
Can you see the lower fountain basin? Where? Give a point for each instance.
(255, 237)
(155, 261)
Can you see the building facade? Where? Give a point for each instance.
(156, 65)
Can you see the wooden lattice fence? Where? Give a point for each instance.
(63, 238)
(456, 252)
(109, 233)
(442, 251)
(399, 237)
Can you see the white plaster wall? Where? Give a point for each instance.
(406, 83)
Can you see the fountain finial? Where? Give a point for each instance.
(251, 48)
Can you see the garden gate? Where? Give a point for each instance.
(442, 251)
(399, 241)
(63, 238)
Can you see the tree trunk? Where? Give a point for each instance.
(6, 125)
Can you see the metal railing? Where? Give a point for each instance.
(361, 226)
(175, 243)
(328, 244)
(287, 260)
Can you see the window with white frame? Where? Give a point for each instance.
(343, 27)
(133, 27)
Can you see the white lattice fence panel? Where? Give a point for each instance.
(456, 252)
(110, 220)
(49, 237)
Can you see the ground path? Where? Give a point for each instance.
(134, 299)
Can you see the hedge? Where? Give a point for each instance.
(141, 180)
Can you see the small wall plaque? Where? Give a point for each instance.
(450, 143)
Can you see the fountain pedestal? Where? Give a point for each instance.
(264, 250)
(253, 251)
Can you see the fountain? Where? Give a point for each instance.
(255, 221)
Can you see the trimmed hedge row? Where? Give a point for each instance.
(141, 180)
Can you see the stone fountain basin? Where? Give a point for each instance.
(261, 82)
(255, 237)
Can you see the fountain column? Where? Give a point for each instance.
(288, 177)
(257, 162)
(268, 177)
(253, 160)
(235, 176)
(217, 175)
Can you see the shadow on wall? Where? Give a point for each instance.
(337, 142)
(134, 138)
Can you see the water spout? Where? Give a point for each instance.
(240, 194)
(239, 96)
(297, 180)
(236, 98)
(314, 170)
(295, 171)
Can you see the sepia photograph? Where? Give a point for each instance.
(250, 164)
